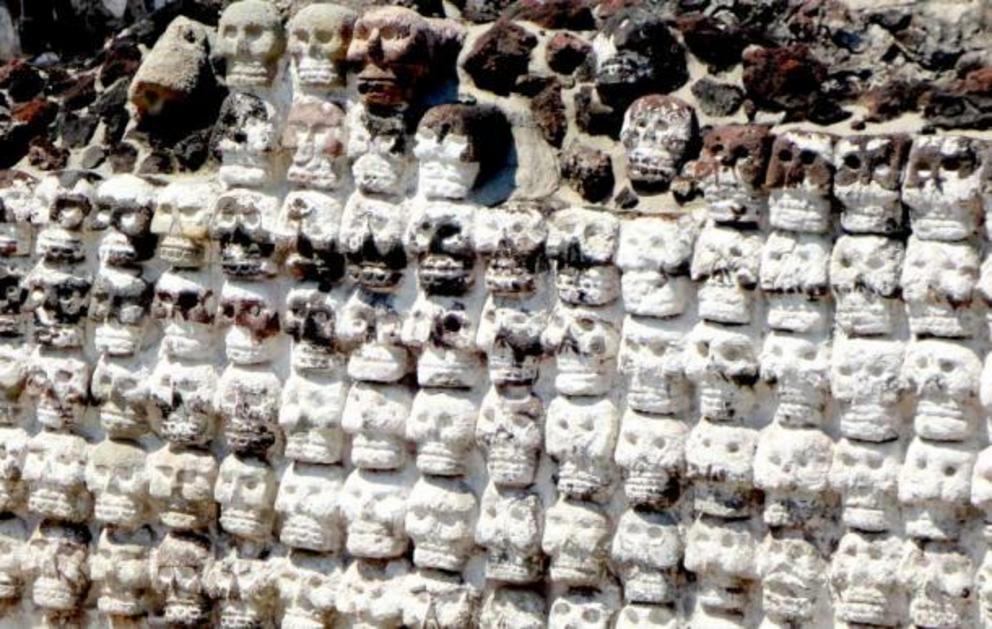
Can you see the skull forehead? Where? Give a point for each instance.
(947, 145)
(886, 354)
(931, 253)
(413, 22)
(115, 454)
(118, 282)
(635, 524)
(657, 241)
(951, 358)
(183, 551)
(443, 495)
(756, 139)
(581, 515)
(127, 188)
(871, 143)
(237, 468)
(320, 16)
(315, 112)
(188, 460)
(814, 141)
(674, 111)
(251, 12)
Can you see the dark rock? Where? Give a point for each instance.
(27, 121)
(589, 172)
(566, 52)
(627, 199)
(786, 78)
(109, 106)
(76, 130)
(967, 104)
(157, 163)
(717, 99)
(78, 92)
(593, 117)
(499, 56)
(123, 157)
(573, 15)
(93, 157)
(530, 85)
(548, 110)
(21, 80)
(825, 111)
(123, 60)
(44, 155)
(192, 152)
(715, 42)
(481, 11)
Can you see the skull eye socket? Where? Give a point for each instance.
(301, 35)
(324, 36)
(952, 163)
(785, 155)
(807, 157)
(253, 31)
(949, 470)
(230, 31)
(590, 615)
(388, 32)
(947, 366)
(852, 161)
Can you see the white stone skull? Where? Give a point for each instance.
(379, 147)
(245, 492)
(242, 588)
(435, 598)
(651, 456)
(120, 571)
(865, 475)
(251, 311)
(946, 380)
(13, 450)
(731, 172)
(245, 226)
(647, 552)
(57, 567)
(370, 327)
(439, 235)
(722, 553)
(375, 416)
(506, 606)
(307, 507)
(119, 387)
(794, 280)
(723, 365)
(792, 466)
(374, 506)
(867, 181)
(55, 476)
(185, 304)
(125, 204)
(371, 593)
(509, 433)
(182, 397)
(864, 277)
(310, 415)
(654, 255)
(318, 36)
(942, 187)
(177, 567)
(935, 488)
(450, 143)
(577, 539)
(939, 577)
(181, 221)
(938, 286)
(582, 243)
(726, 261)
(13, 557)
(440, 518)
(118, 480)
(581, 435)
(510, 335)
(250, 36)
(585, 608)
(793, 577)
(799, 370)
(58, 300)
(59, 384)
(651, 356)
(248, 403)
(865, 580)
(180, 485)
(638, 615)
(444, 330)
(442, 424)
(308, 584)
(120, 301)
(585, 343)
(511, 240)
(864, 377)
(510, 528)
(800, 181)
(13, 376)
(720, 464)
(656, 134)
(315, 134)
(249, 141)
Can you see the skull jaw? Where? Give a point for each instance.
(869, 209)
(578, 375)
(315, 445)
(449, 368)
(122, 423)
(190, 610)
(933, 521)
(373, 451)
(305, 532)
(247, 524)
(118, 510)
(583, 479)
(941, 319)
(863, 516)
(792, 312)
(182, 252)
(379, 362)
(71, 505)
(870, 421)
(371, 541)
(580, 570)
(721, 302)
(860, 313)
(511, 468)
(443, 556)
(114, 602)
(799, 210)
(185, 428)
(440, 459)
(944, 419)
(650, 584)
(866, 605)
(52, 594)
(506, 565)
(187, 516)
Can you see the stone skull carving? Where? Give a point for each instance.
(380, 147)
(723, 554)
(577, 539)
(582, 243)
(512, 607)
(435, 598)
(58, 384)
(794, 280)
(315, 133)
(440, 520)
(182, 402)
(185, 304)
(244, 224)
(799, 369)
(59, 302)
(177, 568)
(509, 433)
(20, 208)
(371, 593)
(588, 608)
(942, 187)
(118, 480)
(393, 50)
(793, 577)
(647, 549)
(251, 38)
(319, 36)
(941, 587)
(510, 335)
(444, 329)
(865, 475)
(935, 488)
(182, 217)
(865, 279)
(581, 435)
(800, 181)
(120, 388)
(511, 240)
(657, 132)
(124, 206)
(654, 256)
(374, 506)
(938, 286)
(120, 571)
(180, 486)
(650, 453)
(245, 492)
(248, 403)
(865, 581)
(726, 261)
(867, 182)
(120, 302)
(453, 144)
(370, 328)
(945, 377)
(585, 343)
(310, 319)
(243, 589)
(442, 424)
(731, 170)
(307, 509)
(651, 357)
(251, 311)
(57, 567)
(981, 488)
(509, 528)
(308, 587)
(66, 200)
(375, 416)
(440, 236)
(723, 365)
(13, 560)
(247, 142)
(13, 450)
(864, 377)
(13, 295)
(792, 467)
(720, 465)
(371, 237)
(637, 615)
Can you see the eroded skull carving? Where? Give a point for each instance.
(726, 260)
(792, 577)
(440, 519)
(509, 528)
(935, 487)
(938, 285)
(509, 433)
(648, 551)
(374, 506)
(981, 488)
(120, 388)
(440, 235)
(372, 593)
(651, 455)
(319, 36)
(722, 553)
(59, 302)
(586, 608)
(800, 181)
(720, 464)
(864, 377)
(310, 319)
(942, 187)
(251, 311)
(119, 568)
(582, 244)
(799, 369)
(511, 240)
(244, 224)
(864, 275)
(182, 218)
(13, 560)
(308, 235)
(243, 589)
(945, 377)
(577, 539)
(867, 182)
(585, 342)
(865, 581)
(182, 397)
(510, 335)
(181, 485)
(442, 424)
(250, 36)
(248, 141)
(246, 492)
(177, 567)
(651, 356)
(791, 466)
(731, 172)
(315, 133)
(248, 403)
(380, 149)
(55, 476)
(580, 435)
(308, 589)
(439, 599)
(307, 507)
(65, 201)
(57, 567)
(185, 304)
(723, 364)
(13, 450)
(865, 475)
(657, 131)
(375, 416)
(794, 280)
(444, 329)
(116, 476)
(512, 607)
(370, 327)
(124, 206)
(120, 302)
(58, 384)
(654, 255)
(941, 587)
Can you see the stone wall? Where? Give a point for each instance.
(492, 314)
